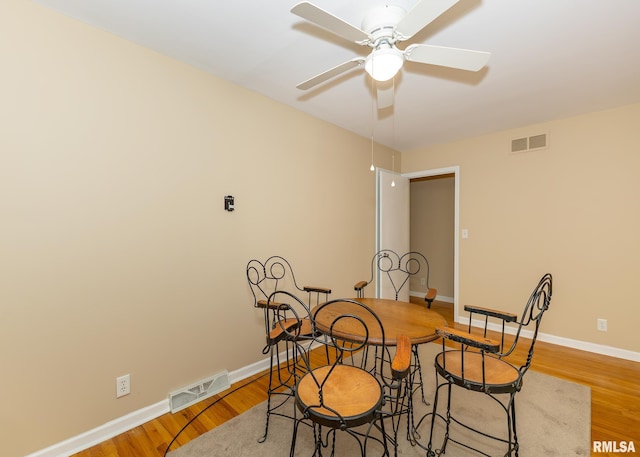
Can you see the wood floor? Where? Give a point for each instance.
(615, 402)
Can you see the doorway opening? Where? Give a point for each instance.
(388, 235)
(432, 233)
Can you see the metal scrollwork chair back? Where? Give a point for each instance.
(395, 273)
(276, 274)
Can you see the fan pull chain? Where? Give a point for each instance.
(393, 134)
(373, 121)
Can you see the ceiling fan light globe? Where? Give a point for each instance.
(383, 64)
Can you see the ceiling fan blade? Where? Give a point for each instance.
(385, 94)
(330, 22)
(463, 59)
(335, 71)
(421, 15)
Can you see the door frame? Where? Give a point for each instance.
(456, 239)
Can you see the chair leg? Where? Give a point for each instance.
(508, 408)
(279, 384)
(294, 435)
(448, 420)
(412, 433)
(431, 452)
(266, 427)
(513, 421)
(385, 442)
(418, 368)
(317, 439)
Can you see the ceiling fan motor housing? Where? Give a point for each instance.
(380, 23)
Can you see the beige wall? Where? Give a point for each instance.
(433, 231)
(116, 254)
(572, 209)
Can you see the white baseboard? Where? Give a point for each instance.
(132, 420)
(104, 432)
(591, 347)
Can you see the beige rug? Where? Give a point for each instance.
(553, 415)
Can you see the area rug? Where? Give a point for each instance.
(553, 419)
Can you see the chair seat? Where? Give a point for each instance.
(499, 375)
(351, 395)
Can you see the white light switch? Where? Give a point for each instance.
(465, 234)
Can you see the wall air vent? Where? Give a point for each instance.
(198, 391)
(530, 143)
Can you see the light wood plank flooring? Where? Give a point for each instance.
(615, 402)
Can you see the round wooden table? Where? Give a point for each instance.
(398, 317)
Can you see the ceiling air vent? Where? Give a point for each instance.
(530, 143)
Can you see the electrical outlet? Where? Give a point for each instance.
(123, 386)
(423, 282)
(602, 325)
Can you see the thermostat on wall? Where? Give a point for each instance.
(229, 203)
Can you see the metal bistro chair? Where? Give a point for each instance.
(394, 273)
(265, 278)
(479, 365)
(345, 395)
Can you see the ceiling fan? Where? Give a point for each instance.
(382, 29)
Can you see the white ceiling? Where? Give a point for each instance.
(550, 59)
